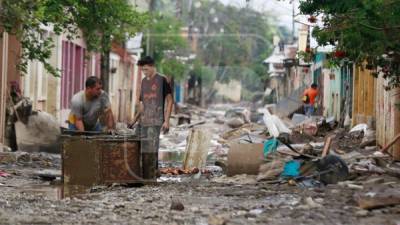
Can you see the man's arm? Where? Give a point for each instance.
(107, 114)
(77, 113)
(137, 116)
(168, 111)
(110, 122)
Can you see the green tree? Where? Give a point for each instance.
(236, 40)
(174, 68)
(168, 45)
(101, 22)
(362, 31)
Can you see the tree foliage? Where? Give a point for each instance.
(168, 45)
(362, 31)
(229, 41)
(235, 41)
(101, 23)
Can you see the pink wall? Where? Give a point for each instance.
(74, 71)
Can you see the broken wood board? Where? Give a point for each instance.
(197, 149)
(327, 146)
(245, 159)
(285, 150)
(238, 132)
(374, 200)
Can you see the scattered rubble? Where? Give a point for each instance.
(307, 178)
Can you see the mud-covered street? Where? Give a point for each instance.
(210, 197)
(25, 200)
(205, 112)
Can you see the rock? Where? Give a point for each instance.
(177, 205)
(235, 122)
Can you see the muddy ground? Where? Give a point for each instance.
(26, 199)
(211, 199)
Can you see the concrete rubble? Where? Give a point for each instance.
(310, 172)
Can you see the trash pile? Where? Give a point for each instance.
(273, 148)
(304, 151)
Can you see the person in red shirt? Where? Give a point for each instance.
(309, 97)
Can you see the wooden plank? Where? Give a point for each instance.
(363, 99)
(389, 197)
(366, 92)
(396, 124)
(327, 146)
(197, 149)
(380, 115)
(356, 91)
(371, 100)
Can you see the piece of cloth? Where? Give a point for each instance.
(153, 94)
(291, 169)
(149, 150)
(88, 110)
(312, 94)
(309, 110)
(270, 146)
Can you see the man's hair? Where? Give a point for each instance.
(92, 81)
(147, 60)
(314, 85)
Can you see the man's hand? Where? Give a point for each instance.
(165, 127)
(131, 125)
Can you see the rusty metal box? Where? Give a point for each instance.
(100, 159)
